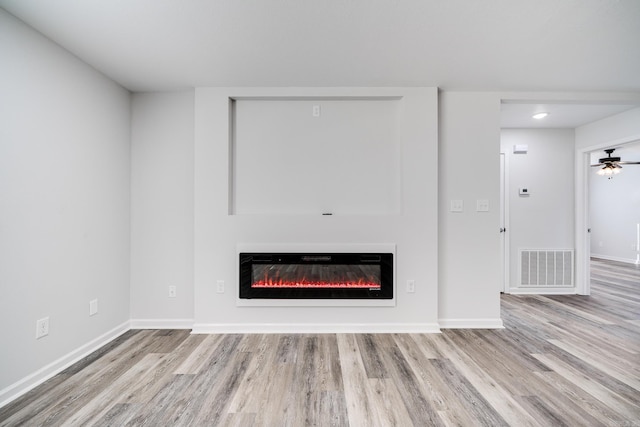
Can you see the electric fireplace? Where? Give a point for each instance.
(316, 275)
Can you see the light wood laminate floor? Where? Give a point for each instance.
(561, 360)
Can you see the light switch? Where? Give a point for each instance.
(482, 205)
(457, 206)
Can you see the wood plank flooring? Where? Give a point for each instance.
(561, 360)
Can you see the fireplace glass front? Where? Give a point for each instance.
(316, 275)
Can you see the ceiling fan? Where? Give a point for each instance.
(611, 165)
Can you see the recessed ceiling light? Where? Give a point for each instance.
(539, 116)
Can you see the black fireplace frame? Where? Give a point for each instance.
(248, 259)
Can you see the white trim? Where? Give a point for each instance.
(506, 246)
(161, 323)
(33, 380)
(471, 323)
(613, 258)
(324, 328)
(316, 247)
(315, 302)
(569, 290)
(582, 237)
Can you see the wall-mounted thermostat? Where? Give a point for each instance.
(520, 149)
(523, 191)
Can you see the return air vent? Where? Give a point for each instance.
(546, 268)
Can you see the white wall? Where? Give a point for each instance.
(465, 294)
(414, 230)
(621, 128)
(288, 161)
(545, 218)
(64, 203)
(162, 209)
(469, 170)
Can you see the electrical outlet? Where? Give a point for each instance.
(93, 307)
(172, 291)
(316, 111)
(411, 286)
(42, 327)
(220, 286)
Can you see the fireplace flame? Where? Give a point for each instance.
(305, 283)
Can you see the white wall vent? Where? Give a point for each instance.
(546, 267)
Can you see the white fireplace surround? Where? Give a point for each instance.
(318, 248)
(404, 221)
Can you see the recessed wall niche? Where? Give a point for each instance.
(315, 156)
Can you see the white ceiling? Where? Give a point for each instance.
(520, 45)
(561, 115)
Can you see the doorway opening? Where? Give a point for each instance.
(576, 114)
(614, 209)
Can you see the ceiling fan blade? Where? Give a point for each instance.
(596, 165)
(629, 163)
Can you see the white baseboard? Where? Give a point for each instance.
(29, 382)
(613, 258)
(161, 323)
(314, 328)
(471, 324)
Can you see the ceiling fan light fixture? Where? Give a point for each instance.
(610, 169)
(540, 115)
(611, 165)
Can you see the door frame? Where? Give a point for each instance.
(504, 223)
(582, 222)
